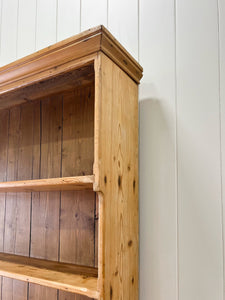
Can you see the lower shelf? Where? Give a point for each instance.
(67, 277)
(75, 183)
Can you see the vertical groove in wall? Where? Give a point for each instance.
(35, 46)
(176, 143)
(107, 14)
(138, 30)
(17, 24)
(80, 13)
(0, 27)
(56, 21)
(221, 143)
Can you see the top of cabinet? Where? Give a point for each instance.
(64, 56)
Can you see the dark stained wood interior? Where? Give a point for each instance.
(48, 138)
(56, 84)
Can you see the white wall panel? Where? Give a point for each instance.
(158, 203)
(9, 20)
(199, 189)
(93, 13)
(123, 23)
(68, 22)
(46, 31)
(26, 27)
(221, 14)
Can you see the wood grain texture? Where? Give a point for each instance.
(116, 175)
(199, 184)
(49, 265)
(70, 278)
(17, 211)
(77, 219)
(83, 75)
(47, 185)
(4, 122)
(56, 135)
(45, 223)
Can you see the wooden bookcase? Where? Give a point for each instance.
(69, 172)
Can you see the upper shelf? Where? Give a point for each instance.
(47, 185)
(63, 57)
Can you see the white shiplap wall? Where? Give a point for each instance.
(181, 45)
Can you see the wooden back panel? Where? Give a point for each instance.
(51, 137)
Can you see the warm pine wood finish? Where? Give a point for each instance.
(69, 129)
(70, 278)
(46, 185)
(116, 171)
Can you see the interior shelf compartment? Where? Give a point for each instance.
(66, 277)
(51, 184)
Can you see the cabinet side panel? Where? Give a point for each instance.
(116, 169)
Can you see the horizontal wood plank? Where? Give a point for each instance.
(67, 81)
(50, 184)
(67, 277)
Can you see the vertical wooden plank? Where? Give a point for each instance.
(158, 203)
(9, 13)
(199, 184)
(45, 223)
(4, 121)
(96, 230)
(35, 165)
(90, 19)
(77, 229)
(78, 133)
(68, 20)
(123, 23)
(13, 144)
(17, 213)
(116, 163)
(221, 27)
(26, 27)
(46, 23)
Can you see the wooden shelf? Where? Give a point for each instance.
(71, 278)
(51, 184)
